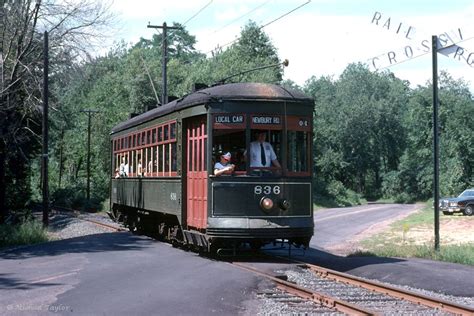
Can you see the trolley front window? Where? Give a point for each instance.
(273, 145)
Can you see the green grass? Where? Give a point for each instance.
(394, 242)
(105, 206)
(463, 254)
(30, 232)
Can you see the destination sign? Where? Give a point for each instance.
(267, 120)
(228, 119)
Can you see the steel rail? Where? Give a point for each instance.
(307, 294)
(75, 214)
(390, 290)
(102, 224)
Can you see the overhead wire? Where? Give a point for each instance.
(240, 17)
(265, 25)
(287, 13)
(197, 13)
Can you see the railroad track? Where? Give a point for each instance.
(331, 291)
(334, 292)
(77, 214)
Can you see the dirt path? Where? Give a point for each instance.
(453, 230)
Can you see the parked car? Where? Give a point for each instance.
(463, 203)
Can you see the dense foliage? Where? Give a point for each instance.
(374, 136)
(71, 28)
(373, 133)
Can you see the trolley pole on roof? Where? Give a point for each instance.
(164, 48)
(89, 112)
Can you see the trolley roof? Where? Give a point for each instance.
(233, 91)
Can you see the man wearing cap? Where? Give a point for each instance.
(262, 153)
(224, 166)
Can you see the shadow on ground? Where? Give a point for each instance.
(8, 283)
(328, 260)
(119, 241)
(320, 257)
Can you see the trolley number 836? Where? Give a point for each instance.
(266, 189)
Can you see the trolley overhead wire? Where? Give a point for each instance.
(265, 25)
(287, 13)
(240, 17)
(197, 13)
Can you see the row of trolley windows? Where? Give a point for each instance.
(159, 134)
(152, 161)
(148, 153)
(154, 152)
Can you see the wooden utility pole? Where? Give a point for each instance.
(164, 48)
(434, 50)
(44, 157)
(89, 112)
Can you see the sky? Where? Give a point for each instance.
(322, 37)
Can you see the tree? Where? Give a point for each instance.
(358, 128)
(252, 49)
(23, 21)
(415, 171)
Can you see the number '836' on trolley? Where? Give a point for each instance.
(223, 166)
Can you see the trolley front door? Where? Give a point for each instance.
(196, 187)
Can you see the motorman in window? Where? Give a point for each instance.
(262, 153)
(224, 166)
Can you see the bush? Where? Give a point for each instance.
(404, 198)
(29, 232)
(343, 196)
(75, 198)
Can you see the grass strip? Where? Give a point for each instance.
(29, 232)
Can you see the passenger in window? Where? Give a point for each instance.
(123, 168)
(149, 170)
(139, 168)
(262, 153)
(224, 166)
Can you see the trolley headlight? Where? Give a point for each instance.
(266, 203)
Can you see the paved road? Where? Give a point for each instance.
(119, 274)
(123, 274)
(338, 226)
